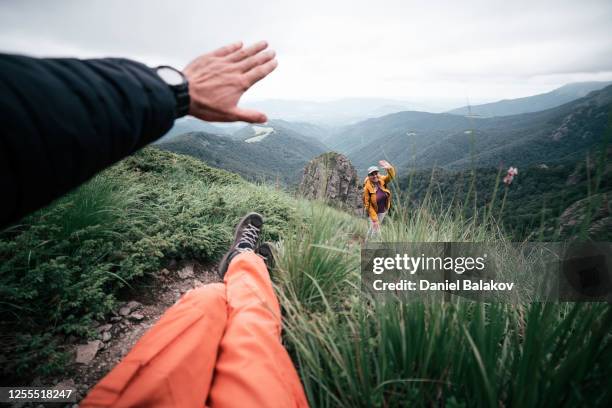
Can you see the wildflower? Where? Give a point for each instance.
(512, 171)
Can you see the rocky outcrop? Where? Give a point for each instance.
(591, 216)
(331, 177)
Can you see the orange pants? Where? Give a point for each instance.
(219, 345)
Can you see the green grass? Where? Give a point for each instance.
(355, 351)
(63, 267)
(318, 255)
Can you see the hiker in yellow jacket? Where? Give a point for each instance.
(376, 195)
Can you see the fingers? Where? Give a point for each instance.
(227, 49)
(213, 117)
(242, 53)
(256, 60)
(234, 115)
(248, 115)
(260, 72)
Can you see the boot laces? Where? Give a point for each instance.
(248, 241)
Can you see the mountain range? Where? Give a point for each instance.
(548, 146)
(341, 112)
(280, 148)
(256, 152)
(552, 99)
(424, 140)
(189, 124)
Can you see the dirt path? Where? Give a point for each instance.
(120, 332)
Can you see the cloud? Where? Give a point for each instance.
(403, 49)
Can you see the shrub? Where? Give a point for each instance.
(62, 267)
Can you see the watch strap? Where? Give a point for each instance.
(180, 91)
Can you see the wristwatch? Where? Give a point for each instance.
(180, 87)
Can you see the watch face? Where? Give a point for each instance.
(170, 76)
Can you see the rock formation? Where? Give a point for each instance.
(599, 221)
(331, 177)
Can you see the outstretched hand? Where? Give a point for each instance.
(385, 164)
(218, 80)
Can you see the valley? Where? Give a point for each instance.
(455, 154)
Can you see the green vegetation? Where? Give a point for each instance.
(424, 140)
(527, 209)
(63, 267)
(355, 351)
(280, 156)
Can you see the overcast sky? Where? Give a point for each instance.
(410, 50)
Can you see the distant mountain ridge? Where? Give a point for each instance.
(256, 152)
(341, 112)
(294, 130)
(552, 99)
(319, 132)
(424, 140)
(190, 124)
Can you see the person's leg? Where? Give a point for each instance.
(381, 217)
(172, 364)
(253, 368)
(371, 229)
(372, 232)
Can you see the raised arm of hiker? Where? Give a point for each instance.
(390, 171)
(64, 120)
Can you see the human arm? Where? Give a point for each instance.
(64, 120)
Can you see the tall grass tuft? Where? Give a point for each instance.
(355, 351)
(318, 256)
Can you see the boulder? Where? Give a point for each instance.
(136, 316)
(129, 307)
(186, 272)
(104, 328)
(331, 177)
(87, 352)
(133, 305)
(106, 336)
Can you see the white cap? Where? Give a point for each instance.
(372, 169)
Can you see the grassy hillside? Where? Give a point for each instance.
(62, 267)
(355, 351)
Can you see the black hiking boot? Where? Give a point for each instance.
(245, 239)
(266, 252)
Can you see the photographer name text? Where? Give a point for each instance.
(424, 284)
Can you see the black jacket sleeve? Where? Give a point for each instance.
(63, 120)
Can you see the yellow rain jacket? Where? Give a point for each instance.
(369, 194)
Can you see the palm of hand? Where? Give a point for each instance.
(384, 164)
